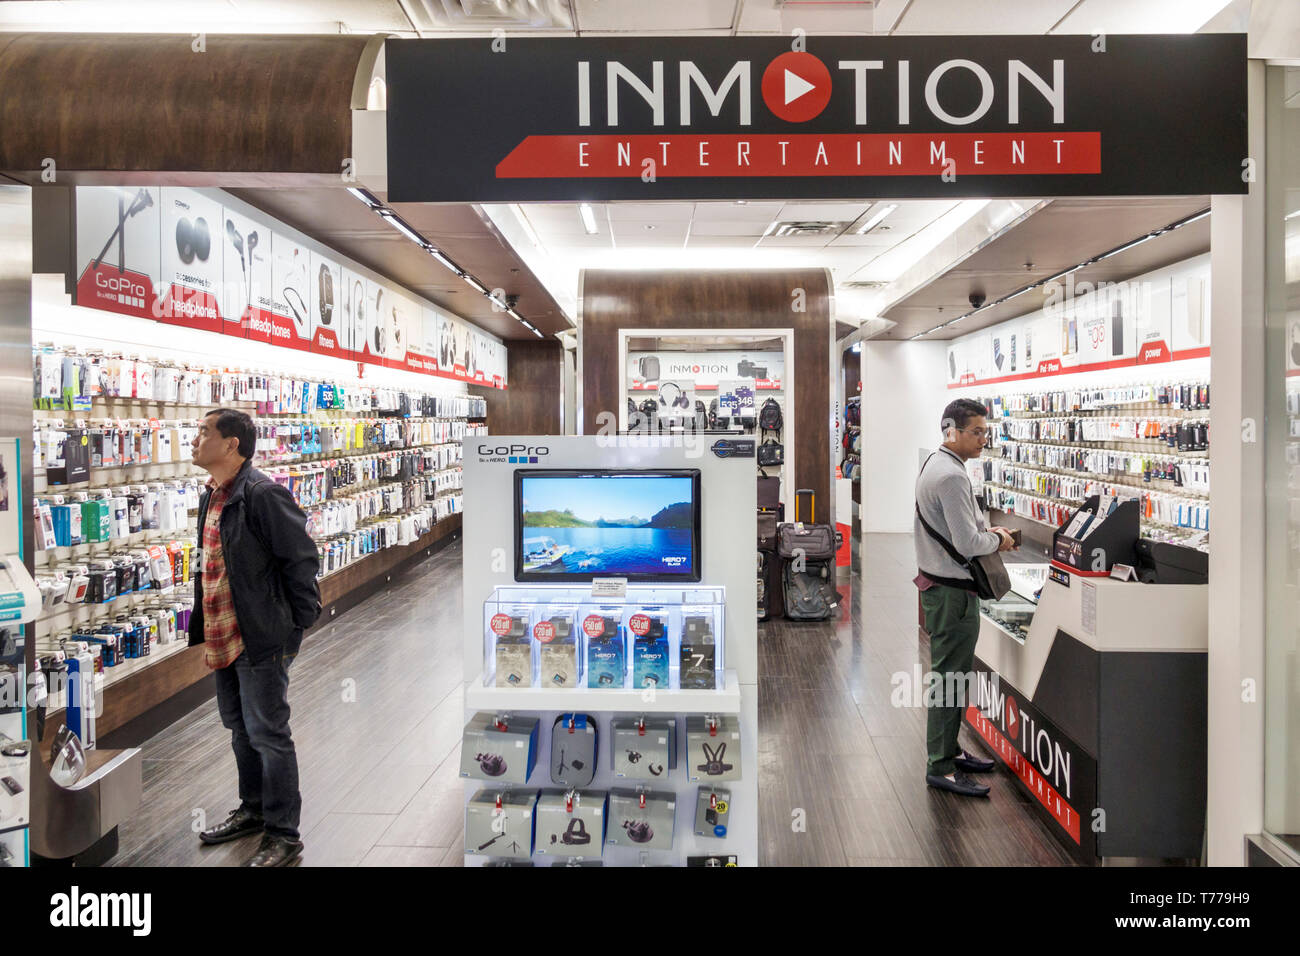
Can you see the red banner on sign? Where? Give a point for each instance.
(803, 154)
(190, 309)
(1047, 795)
(116, 290)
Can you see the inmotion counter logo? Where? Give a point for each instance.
(76, 909)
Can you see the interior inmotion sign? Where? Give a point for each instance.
(647, 118)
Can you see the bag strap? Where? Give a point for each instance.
(947, 545)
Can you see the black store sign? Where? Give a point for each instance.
(735, 117)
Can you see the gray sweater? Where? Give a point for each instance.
(947, 500)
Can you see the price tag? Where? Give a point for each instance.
(639, 624)
(544, 632)
(500, 624)
(609, 587)
(593, 625)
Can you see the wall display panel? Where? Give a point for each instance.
(327, 312)
(118, 257)
(246, 299)
(291, 291)
(1156, 318)
(704, 370)
(200, 259)
(193, 248)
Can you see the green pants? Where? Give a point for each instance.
(952, 618)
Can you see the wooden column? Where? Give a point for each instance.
(531, 404)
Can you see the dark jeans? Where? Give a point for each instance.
(952, 619)
(254, 706)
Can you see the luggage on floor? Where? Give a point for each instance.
(771, 512)
(807, 556)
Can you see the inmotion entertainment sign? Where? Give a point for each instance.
(733, 117)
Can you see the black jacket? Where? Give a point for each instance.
(271, 563)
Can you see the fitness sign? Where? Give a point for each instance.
(711, 118)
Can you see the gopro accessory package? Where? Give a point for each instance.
(574, 744)
(641, 819)
(643, 749)
(712, 748)
(571, 823)
(501, 823)
(499, 747)
(712, 811)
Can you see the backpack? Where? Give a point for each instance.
(770, 418)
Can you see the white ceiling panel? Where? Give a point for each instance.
(628, 16)
(736, 212)
(824, 211)
(941, 17)
(650, 211)
(754, 228)
(1149, 16)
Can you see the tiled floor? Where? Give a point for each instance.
(377, 719)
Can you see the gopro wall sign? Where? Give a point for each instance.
(730, 117)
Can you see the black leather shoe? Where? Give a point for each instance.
(972, 764)
(960, 783)
(275, 851)
(240, 823)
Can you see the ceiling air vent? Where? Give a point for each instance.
(790, 227)
(867, 284)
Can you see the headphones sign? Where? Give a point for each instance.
(596, 118)
(180, 257)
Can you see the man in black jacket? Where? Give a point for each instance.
(255, 595)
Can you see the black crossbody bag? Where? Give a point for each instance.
(988, 572)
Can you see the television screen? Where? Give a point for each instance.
(576, 525)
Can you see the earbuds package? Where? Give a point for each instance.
(643, 749)
(499, 748)
(500, 823)
(712, 749)
(571, 823)
(641, 819)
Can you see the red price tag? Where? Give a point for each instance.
(544, 632)
(639, 624)
(500, 624)
(593, 625)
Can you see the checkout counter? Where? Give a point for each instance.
(1092, 692)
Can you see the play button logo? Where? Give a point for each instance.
(796, 87)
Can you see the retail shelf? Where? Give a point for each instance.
(1165, 488)
(630, 700)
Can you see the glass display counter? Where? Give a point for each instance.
(1014, 612)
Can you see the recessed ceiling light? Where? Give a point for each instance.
(876, 216)
(588, 218)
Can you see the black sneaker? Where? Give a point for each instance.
(960, 783)
(275, 851)
(972, 764)
(240, 823)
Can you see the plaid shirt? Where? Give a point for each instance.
(222, 640)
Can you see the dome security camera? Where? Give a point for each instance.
(976, 299)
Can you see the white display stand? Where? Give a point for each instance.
(728, 502)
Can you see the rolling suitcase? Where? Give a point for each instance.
(771, 512)
(807, 553)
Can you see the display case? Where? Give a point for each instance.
(1014, 612)
(559, 637)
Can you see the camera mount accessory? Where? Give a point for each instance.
(142, 201)
(713, 764)
(193, 240)
(575, 834)
(492, 765)
(639, 831)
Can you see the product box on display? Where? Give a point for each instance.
(712, 748)
(575, 750)
(501, 823)
(571, 823)
(499, 748)
(643, 748)
(641, 819)
(712, 811)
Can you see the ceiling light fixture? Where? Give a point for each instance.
(876, 218)
(526, 225)
(398, 223)
(588, 218)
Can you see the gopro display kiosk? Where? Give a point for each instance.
(610, 646)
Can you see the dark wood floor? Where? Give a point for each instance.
(379, 765)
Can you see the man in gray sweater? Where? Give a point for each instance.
(945, 498)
